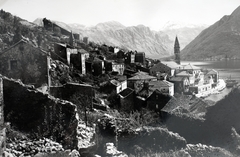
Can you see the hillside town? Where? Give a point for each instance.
(78, 76)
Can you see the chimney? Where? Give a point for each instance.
(146, 85)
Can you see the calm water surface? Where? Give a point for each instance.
(226, 68)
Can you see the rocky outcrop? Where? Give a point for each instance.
(86, 136)
(111, 151)
(26, 147)
(205, 150)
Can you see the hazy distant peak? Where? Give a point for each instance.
(178, 24)
(113, 25)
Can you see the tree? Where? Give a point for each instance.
(39, 40)
(57, 31)
(18, 35)
(84, 103)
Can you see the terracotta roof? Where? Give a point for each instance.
(142, 76)
(177, 79)
(126, 92)
(115, 82)
(154, 86)
(190, 104)
(172, 104)
(184, 73)
(212, 71)
(82, 51)
(190, 67)
(158, 84)
(172, 65)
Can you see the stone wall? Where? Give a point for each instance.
(39, 114)
(25, 62)
(66, 91)
(2, 128)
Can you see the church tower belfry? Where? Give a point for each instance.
(72, 40)
(177, 51)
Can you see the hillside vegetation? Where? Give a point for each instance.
(220, 40)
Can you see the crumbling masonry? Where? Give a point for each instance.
(39, 114)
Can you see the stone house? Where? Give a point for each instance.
(98, 67)
(62, 52)
(136, 82)
(120, 54)
(130, 57)
(113, 66)
(127, 97)
(26, 62)
(119, 85)
(67, 91)
(190, 76)
(181, 84)
(113, 49)
(163, 86)
(85, 40)
(165, 67)
(192, 69)
(162, 76)
(214, 74)
(78, 60)
(201, 88)
(153, 98)
(95, 66)
(140, 58)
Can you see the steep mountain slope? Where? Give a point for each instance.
(220, 40)
(156, 44)
(140, 38)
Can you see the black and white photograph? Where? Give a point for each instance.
(119, 78)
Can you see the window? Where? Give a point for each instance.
(13, 65)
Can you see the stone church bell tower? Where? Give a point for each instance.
(177, 51)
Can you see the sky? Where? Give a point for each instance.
(152, 13)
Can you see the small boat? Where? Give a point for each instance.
(230, 82)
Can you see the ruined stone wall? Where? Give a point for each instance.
(68, 90)
(25, 62)
(39, 114)
(2, 129)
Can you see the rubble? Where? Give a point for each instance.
(85, 136)
(26, 147)
(111, 151)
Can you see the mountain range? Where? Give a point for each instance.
(220, 40)
(156, 44)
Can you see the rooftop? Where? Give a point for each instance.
(177, 79)
(82, 51)
(190, 67)
(184, 73)
(212, 71)
(170, 64)
(158, 84)
(115, 82)
(142, 76)
(126, 92)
